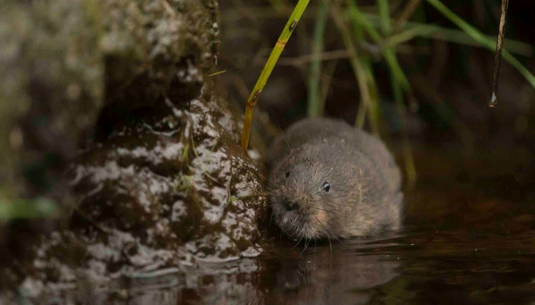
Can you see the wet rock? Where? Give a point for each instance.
(172, 189)
(175, 179)
(120, 100)
(155, 47)
(65, 63)
(62, 61)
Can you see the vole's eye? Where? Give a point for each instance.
(287, 174)
(326, 187)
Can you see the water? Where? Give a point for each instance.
(459, 246)
(469, 238)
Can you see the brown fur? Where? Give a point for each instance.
(364, 196)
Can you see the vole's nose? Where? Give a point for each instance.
(290, 205)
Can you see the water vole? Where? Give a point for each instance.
(331, 180)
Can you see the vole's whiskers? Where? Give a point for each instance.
(283, 136)
(328, 237)
(333, 235)
(297, 243)
(307, 241)
(330, 244)
(272, 216)
(320, 209)
(266, 177)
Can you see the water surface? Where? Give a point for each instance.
(469, 238)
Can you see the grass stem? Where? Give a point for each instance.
(268, 68)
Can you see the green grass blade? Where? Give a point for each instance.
(314, 107)
(326, 78)
(395, 68)
(389, 54)
(481, 39)
(368, 69)
(361, 20)
(398, 79)
(384, 16)
(268, 68)
(432, 31)
(410, 168)
(415, 29)
(361, 74)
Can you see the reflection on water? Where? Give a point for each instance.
(420, 267)
(324, 277)
(323, 274)
(461, 245)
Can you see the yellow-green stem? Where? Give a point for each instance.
(270, 64)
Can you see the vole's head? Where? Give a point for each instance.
(305, 193)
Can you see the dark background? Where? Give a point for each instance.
(451, 82)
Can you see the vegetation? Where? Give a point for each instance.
(372, 37)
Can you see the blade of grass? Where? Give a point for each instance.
(481, 39)
(409, 9)
(389, 54)
(395, 68)
(374, 92)
(268, 68)
(399, 83)
(367, 64)
(470, 31)
(326, 83)
(433, 32)
(372, 21)
(361, 115)
(361, 19)
(410, 168)
(315, 66)
(439, 33)
(384, 16)
(361, 74)
(410, 34)
(445, 34)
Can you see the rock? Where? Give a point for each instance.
(116, 93)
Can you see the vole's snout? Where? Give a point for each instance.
(289, 205)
